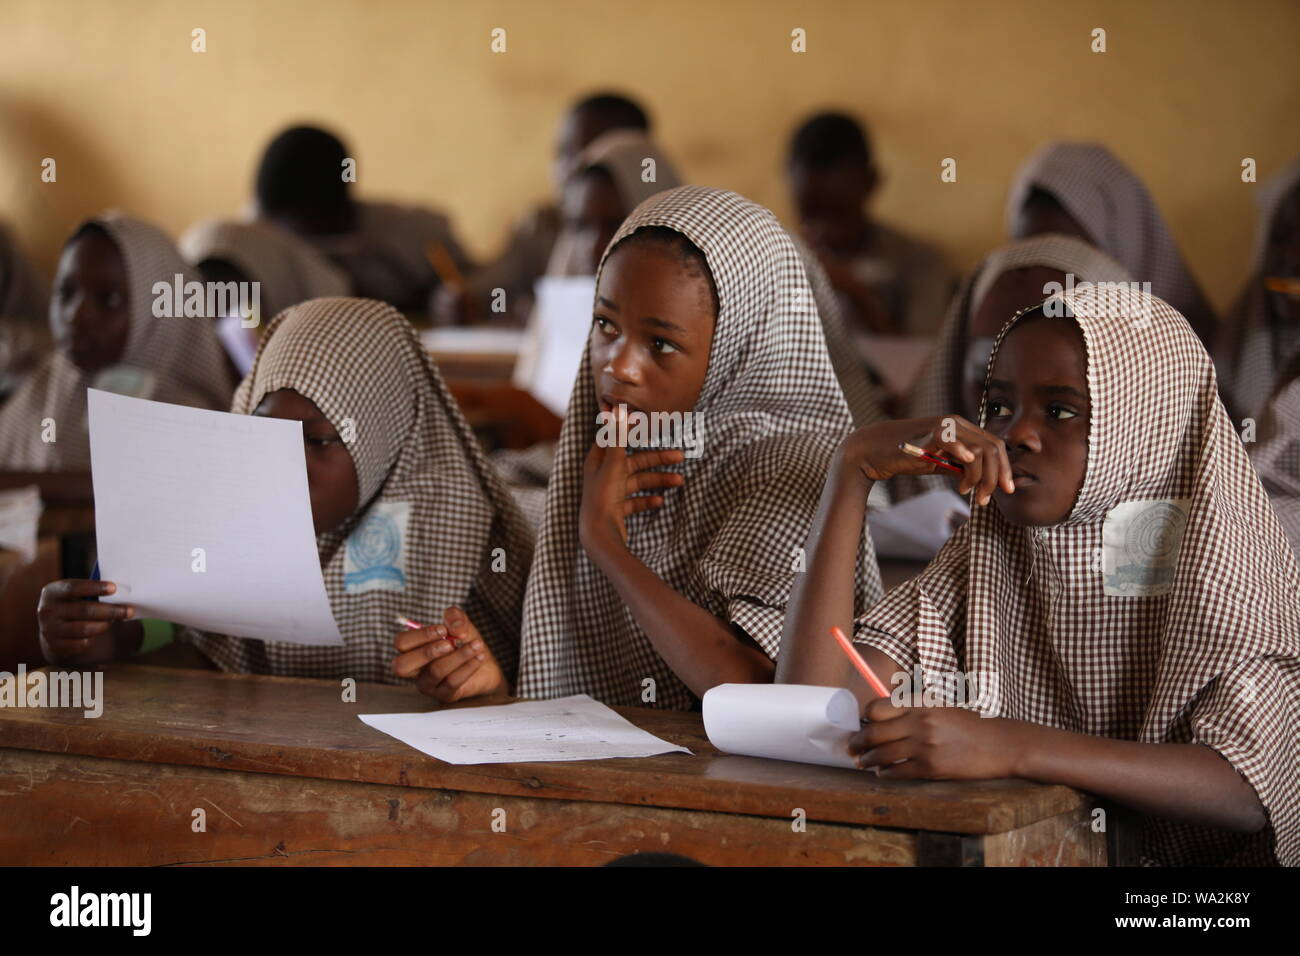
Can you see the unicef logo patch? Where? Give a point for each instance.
(375, 554)
(1141, 541)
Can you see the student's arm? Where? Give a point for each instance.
(823, 596)
(80, 632)
(1189, 783)
(702, 650)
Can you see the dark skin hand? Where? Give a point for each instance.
(649, 352)
(1185, 782)
(90, 314)
(79, 631)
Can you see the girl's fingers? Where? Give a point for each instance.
(448, 662)
(641, 481)
(81, 630)
(885, 754)
(411, 662)
(653, 459)
(1008, 482)
(643, 503)
(409, 640)
(457, 678)
(77, 588)
(90, 611)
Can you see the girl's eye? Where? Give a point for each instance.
(999, 409)
(604, 325)
(1060, 412)
(322, 442)
(664, 346)
(112, 300)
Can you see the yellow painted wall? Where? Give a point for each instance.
(112, 91)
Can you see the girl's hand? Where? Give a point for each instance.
(610, 479)
(937, 743)
(874, 449)
(445, 672)
(70, 624)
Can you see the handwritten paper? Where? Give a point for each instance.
(783, 722)
(567, 728)
(203, 518)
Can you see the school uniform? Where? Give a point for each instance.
(1115, 208)
(1275, 453)
(1165, 608)
(434, 527)
(1255, 345)
(174, 359)
(731, 538)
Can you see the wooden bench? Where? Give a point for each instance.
(285, 773)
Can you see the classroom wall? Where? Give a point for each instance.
(112, 91)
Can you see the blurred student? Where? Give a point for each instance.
(413, 477)
(1081, 189)
(1263, 332)
(1275, 453)
(889, 283)
(650, 586)
(286, 269)
(109, 336)
(533, 239)
(1121, 613)
(24, 315)
(388, 250)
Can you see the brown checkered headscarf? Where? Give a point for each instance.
(431, 514)
(1210, 656)
(1254, 345)
(289, 270)
(773, 416)
(1112, 204)
(176, 359)
(1276, 452)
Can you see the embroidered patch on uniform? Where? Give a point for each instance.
(1140, 543)
(374, 558)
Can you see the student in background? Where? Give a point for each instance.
(24, 315)
(1263, 332)
(1081, 189)
(1122, 595)
(889, 283)
(286, 269)
(412, 479)
(102, 316)
(532, 243)
(650, 586)
(385, 248)
(1275, 453)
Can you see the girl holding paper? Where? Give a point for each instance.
(408, 516)
(1130, 589)
(659, 576)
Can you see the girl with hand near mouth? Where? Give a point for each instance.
(650, 586)
(1130, 590)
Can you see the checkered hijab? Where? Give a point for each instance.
(849, 371)
(727, 540)
(176, 360)
(938, 389)
(1113, 205)
(1255, 346)
(425, 489)
(1209, 654)
(620, 152)
(288, 269)
(1276, 453)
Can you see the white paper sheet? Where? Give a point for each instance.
(557, 333)
(169, 480)
(783, 722)
(916, 528)
(567, 728)
(473, 340)
(20, 518)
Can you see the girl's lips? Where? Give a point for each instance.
(1021, 481)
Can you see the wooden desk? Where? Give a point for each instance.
(287, 774)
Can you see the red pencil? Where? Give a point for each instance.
(410, 625)
(863, 667)
(909, 449)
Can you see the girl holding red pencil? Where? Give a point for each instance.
(1122, 575)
